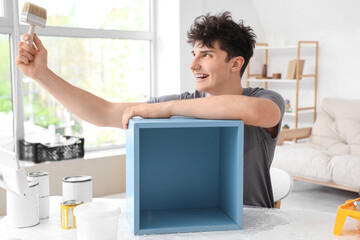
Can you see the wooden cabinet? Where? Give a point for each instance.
(255, 78)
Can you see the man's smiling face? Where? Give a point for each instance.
(210, 68)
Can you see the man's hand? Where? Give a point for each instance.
(155, 110)
(31, 60)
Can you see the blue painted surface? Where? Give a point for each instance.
(130, 170)
(184, 175)
(185, 220)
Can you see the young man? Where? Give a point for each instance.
(221, 50)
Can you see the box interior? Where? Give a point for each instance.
(193, 185)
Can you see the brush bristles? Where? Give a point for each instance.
(34, 10)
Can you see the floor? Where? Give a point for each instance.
(315, 197)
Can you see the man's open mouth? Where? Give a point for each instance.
(201, 76)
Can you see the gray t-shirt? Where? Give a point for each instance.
(259, 148)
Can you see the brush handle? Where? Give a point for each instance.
(31, 33)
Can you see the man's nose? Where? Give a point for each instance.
(195, 65)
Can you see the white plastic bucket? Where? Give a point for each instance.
(97, 220)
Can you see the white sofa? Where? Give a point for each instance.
(331, 154)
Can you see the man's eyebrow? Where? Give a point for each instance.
(204, 51)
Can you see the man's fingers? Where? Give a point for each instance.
(25, 37)
(38, 42)
(25, 54)
(20, 59)
(127, 115)
(126, 119)
(125, 122)
(26, 47)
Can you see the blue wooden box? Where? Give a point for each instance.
(184, 175)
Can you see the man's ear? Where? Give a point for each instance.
(237, 63)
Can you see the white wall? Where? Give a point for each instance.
(189, 10)
(167, 35)
(335, 24)
(173, 19)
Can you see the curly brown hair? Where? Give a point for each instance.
(235, 39)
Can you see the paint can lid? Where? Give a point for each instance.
(77, 179)
(71, 202)
(37, 174)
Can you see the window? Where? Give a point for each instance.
(117, 70)
(6, 113)
(130, 15)
(104, 48)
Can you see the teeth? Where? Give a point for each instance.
(201, 75)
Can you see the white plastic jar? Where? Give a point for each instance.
(97, 220)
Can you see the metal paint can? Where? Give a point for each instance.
(23, 211)
(77, 187)
(68, 220)
(44, 191)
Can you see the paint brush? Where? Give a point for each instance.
(34, 16)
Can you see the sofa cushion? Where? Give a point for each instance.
(337, 127)
(346, 170)
(303, 160)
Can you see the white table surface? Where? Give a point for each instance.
(259, 223)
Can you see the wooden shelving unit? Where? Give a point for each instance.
(256, 77)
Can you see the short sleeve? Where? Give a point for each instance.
(182, 96)
(271, 95)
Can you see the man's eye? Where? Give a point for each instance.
(207, 55)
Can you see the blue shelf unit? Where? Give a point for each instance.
(184, 175)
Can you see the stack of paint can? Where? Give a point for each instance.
(76, 190)
(44, 191)
(23, 210)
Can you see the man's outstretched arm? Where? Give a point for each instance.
(33, 63)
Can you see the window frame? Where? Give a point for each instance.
(10, 25)
(5, 20)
